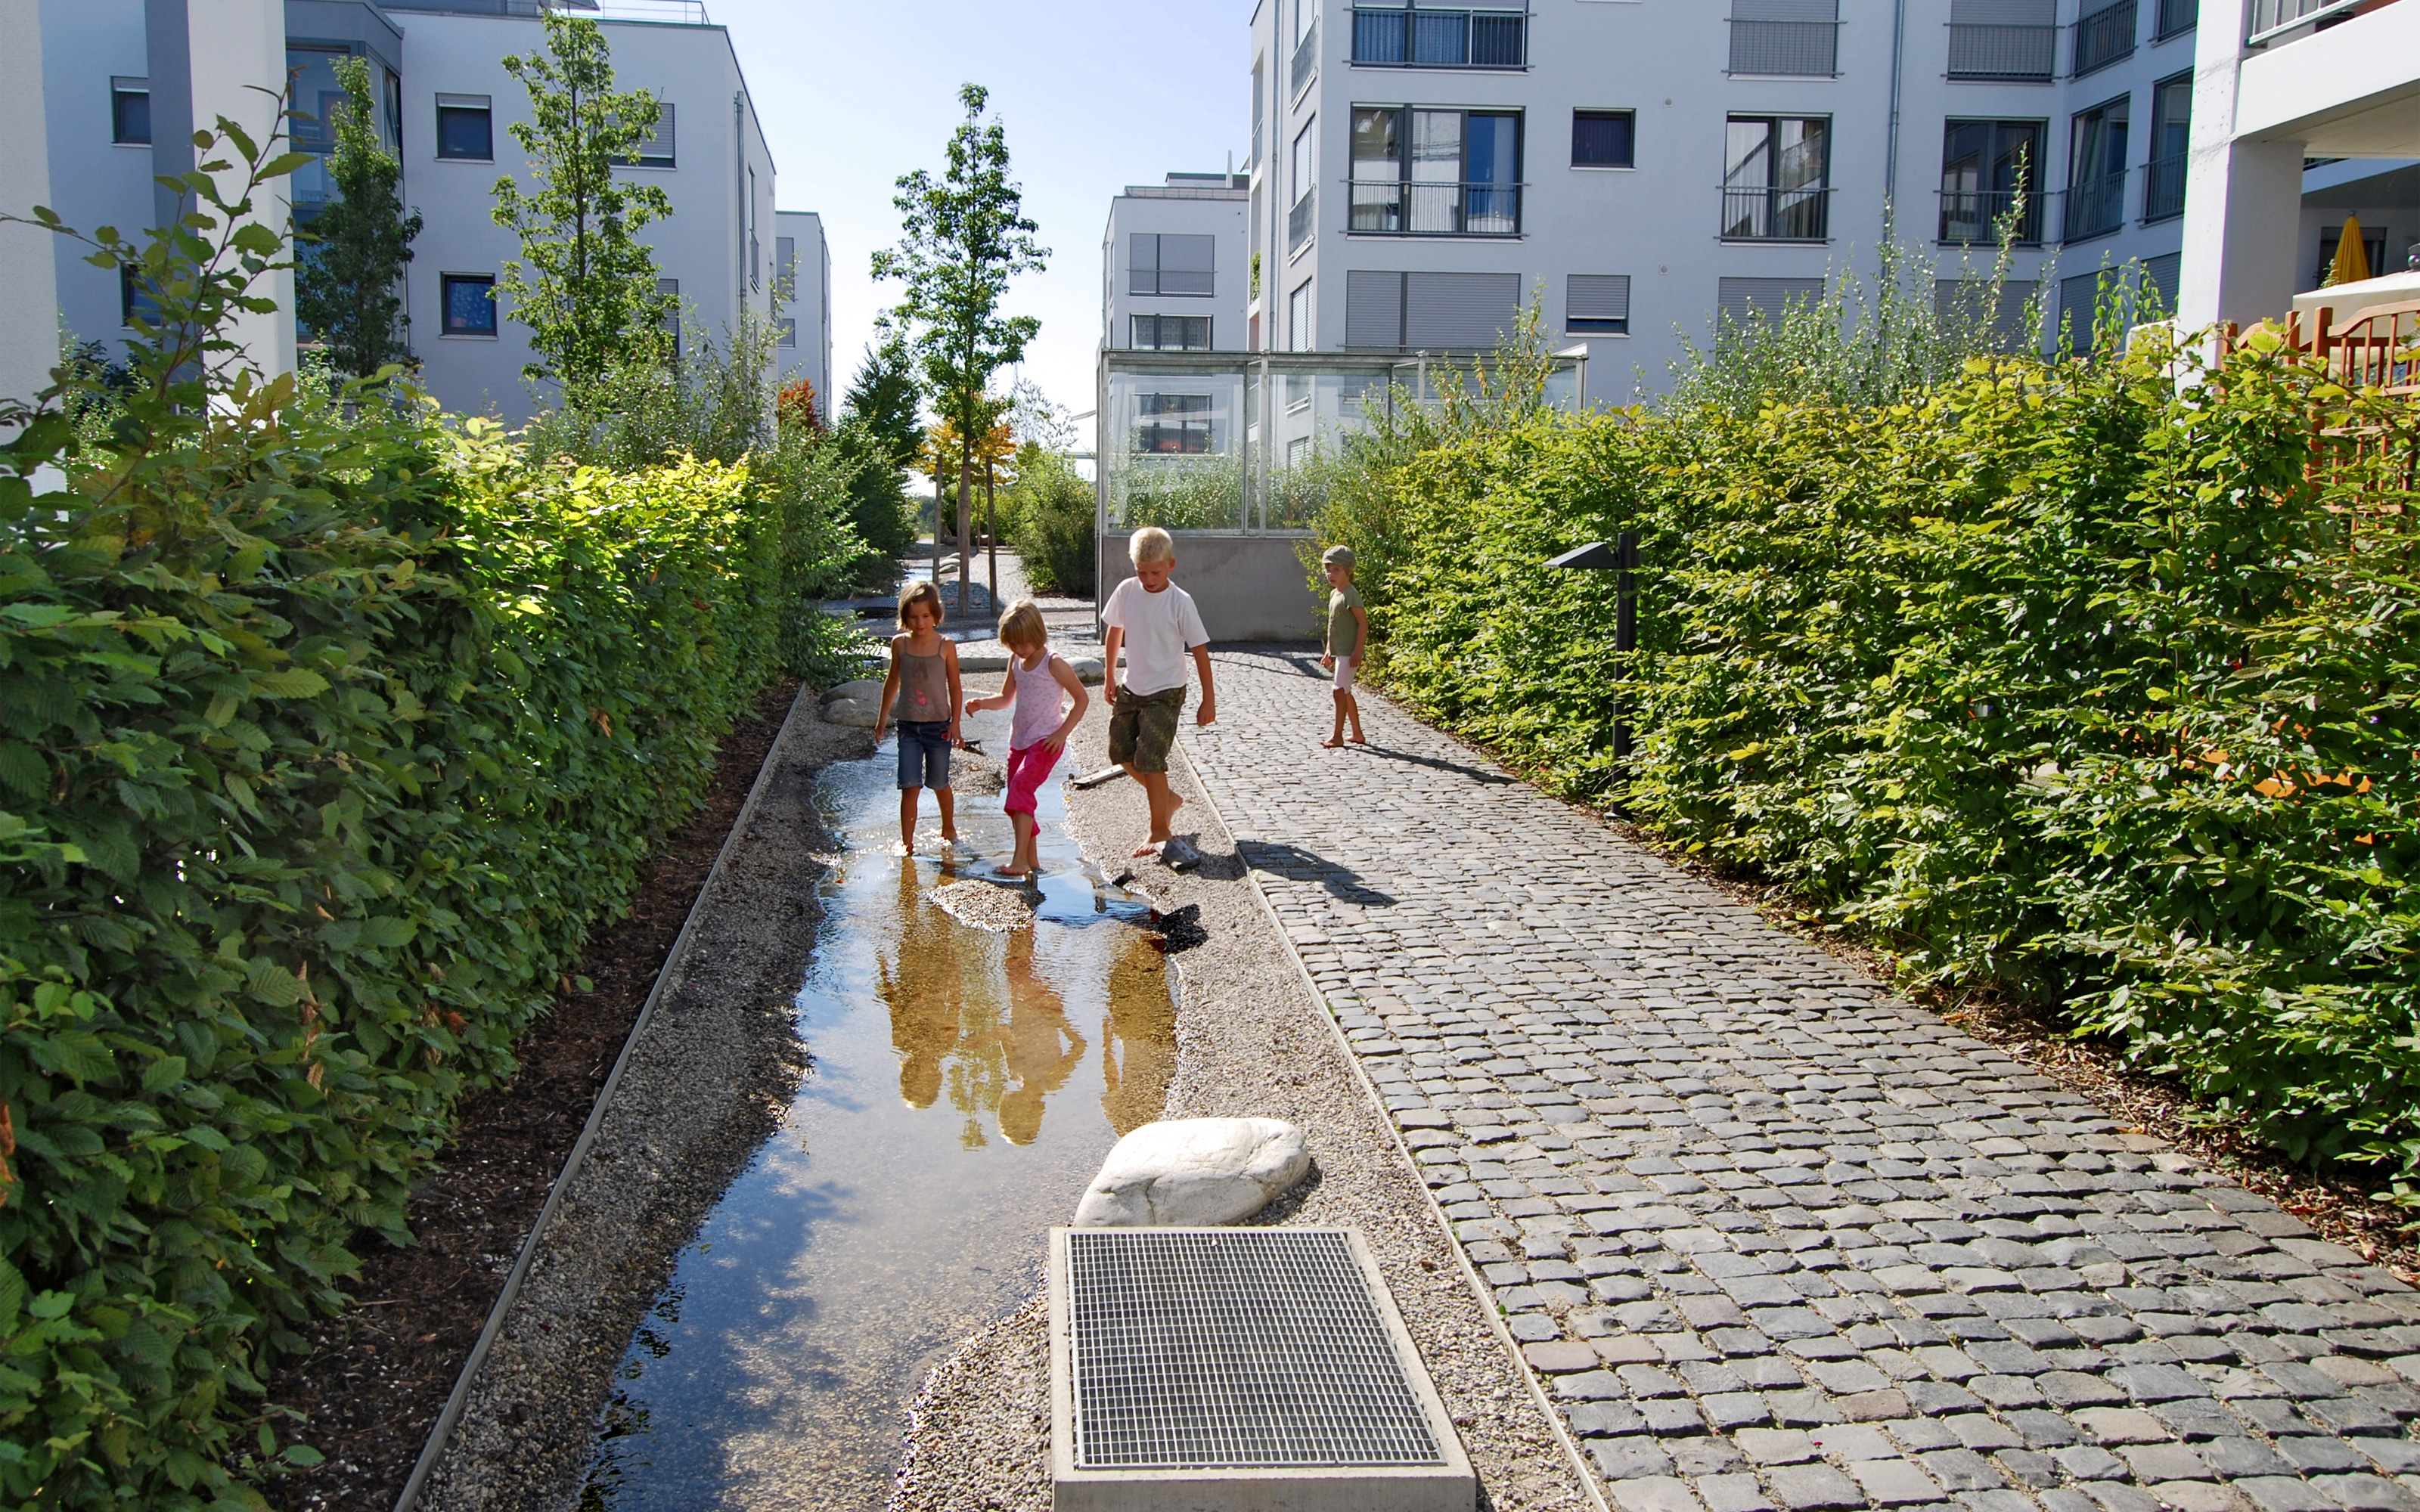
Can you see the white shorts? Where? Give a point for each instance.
(1343, 674)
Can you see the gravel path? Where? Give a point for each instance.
(1251, 1039)
(1773, 1238)
(705, 1088)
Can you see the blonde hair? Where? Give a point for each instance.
(1152, 544)
(1022, 625)
(919, 593)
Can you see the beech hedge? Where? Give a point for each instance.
(327, 733)
(2069, 679)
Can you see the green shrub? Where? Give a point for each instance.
(2053, 676)
(1047, 516)
(326, 733)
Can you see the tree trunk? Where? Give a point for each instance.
(991, 534)
(966, 521)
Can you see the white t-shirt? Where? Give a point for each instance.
(1160, 629)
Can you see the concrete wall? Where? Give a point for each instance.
(1247, 587)
(29, 335)
(93, 181)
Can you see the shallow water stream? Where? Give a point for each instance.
(964, 1086)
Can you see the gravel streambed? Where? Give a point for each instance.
(705, 1088)
(1252, 1039)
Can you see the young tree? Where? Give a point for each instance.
(584, 284)
(883, 398)
(348, 288)
(962, 238)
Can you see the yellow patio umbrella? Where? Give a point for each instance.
(2352, 258)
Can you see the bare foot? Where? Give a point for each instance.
(1150, 847)
(1360, 740)
(1331, 745)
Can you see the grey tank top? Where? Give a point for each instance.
(923, 687)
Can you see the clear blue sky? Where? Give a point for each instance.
(1094, 96)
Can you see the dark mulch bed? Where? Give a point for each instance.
(377, 1377)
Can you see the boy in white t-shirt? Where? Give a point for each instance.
(1155, 624)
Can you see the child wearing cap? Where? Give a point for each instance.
(1348, 633)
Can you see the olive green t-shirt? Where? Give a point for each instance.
(1344, 632)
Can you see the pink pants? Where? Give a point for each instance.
(1026, 770)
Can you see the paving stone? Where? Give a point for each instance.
(1629, 1458)
(2280, 1494)
(1655, 1493)
(2121, 1426)
(1963, 1469)
(1733, 1493)
(1813, 1488)
(1776, 1446)
(1894, 1482)
(2164, 1461)
(2368, 1493)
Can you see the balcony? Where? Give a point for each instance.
(2271, 19)
(1973, 217)
(1765, 214)
(2095, 207)
(1302, 221)
(1306, 57)
(2104, 36)
(1397, 37)
(2177, 17)
(1394, 208)
(2163, 189)
(1786, 49)
(2008, 54)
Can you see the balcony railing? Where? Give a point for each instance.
(2163, 189)
(1302, 220)
(2176, 17)
(2024, 54)
(2272, 17)
(1393, 208)
(1306, 57)
(1776, 214)
(681, 12)
(2104, 37)
(1425, 39)
(2094, 207)
(1786, 49)
(1971, 217)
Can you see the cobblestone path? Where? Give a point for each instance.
(1771, 1238)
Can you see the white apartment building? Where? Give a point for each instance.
(1419, 170)
(1177, 266)
(125, 82)
(803, 304)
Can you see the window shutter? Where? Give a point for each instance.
(1743, 300)
(1143, 263)
(1373, 309)
(1459, 312)
(2159, 283)
(2003, 13)
(1187, 264)
(1597, 296)
(1785, 9)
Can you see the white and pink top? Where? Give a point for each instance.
(1041, 703)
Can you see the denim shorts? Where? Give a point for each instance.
(925, 753)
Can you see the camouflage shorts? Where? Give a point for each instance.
(1143, 727)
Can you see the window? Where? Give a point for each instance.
(1166, 264)
(2096, 171)
(1429, 312)
(786, 333)
(1777, 173)
(1298, 331)
(1259, 95)
(465, 127)
(135, 301)
(2177, 17)
(2163, 177)
(2016, 40)
(1412, 33)
(785, 269)
(1301, 218)
(1602, 138)
(1749, 301)
(748, 211)
(656, 151)
(2104, 34)
(1786, 38)
(1169, 332)
(469, 301)
(1306, 42)
(1435, 172)
(1172, 424)
(1597, 304)
(1985, 167)
(129, 111)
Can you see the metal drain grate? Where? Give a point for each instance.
(1234, 1349)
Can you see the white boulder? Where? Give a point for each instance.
(857, 713)
(1184, 1171)
(1088, 670)
(864, 689)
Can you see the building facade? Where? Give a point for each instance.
(1177, 266)
(126, 80)
(802, 304)
(1640, 167)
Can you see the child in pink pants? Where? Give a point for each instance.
(1043, 721)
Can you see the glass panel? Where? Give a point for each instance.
(1378, 35)
(1377, 170)
(1436, 171)
(131, 115)
(470, 307)
(1175, 461)
(1187, 264)
(1143, 263)
(1492, 198)
(463, 133)
(1441, 39)
(1306, 166)
(1601, 139)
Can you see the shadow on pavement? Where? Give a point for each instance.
(1298, 865)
